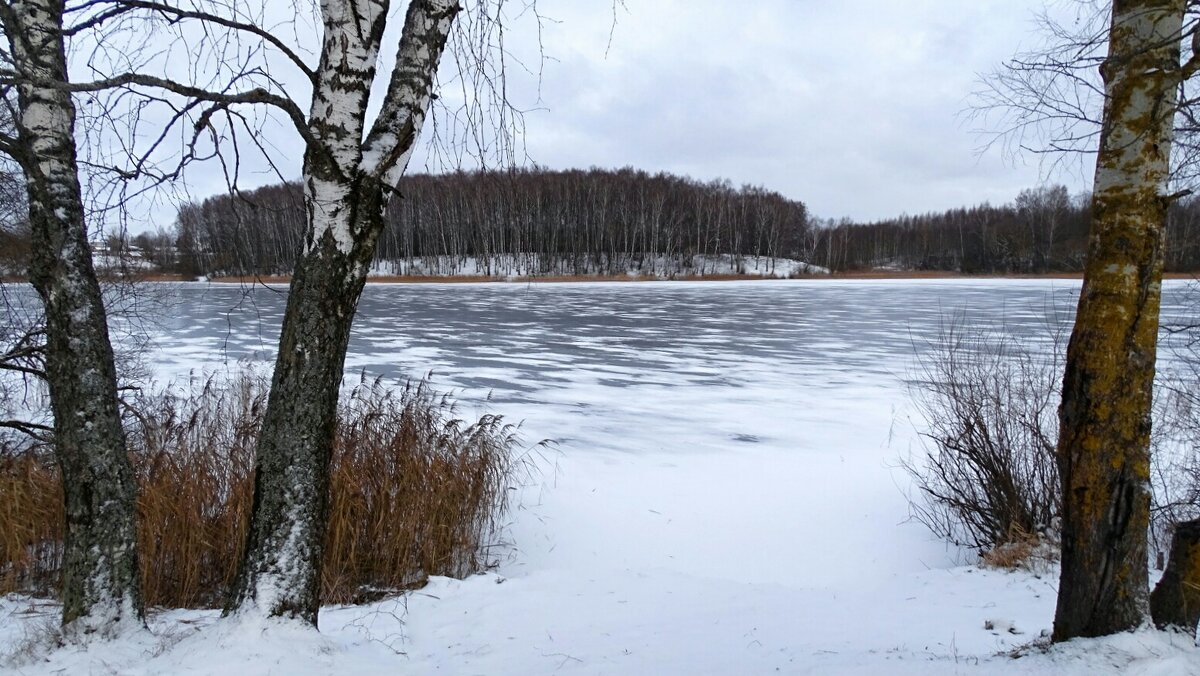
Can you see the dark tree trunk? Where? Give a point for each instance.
(1104, 442)
(100, 568)
(281, 573)
(347, 182)
(1175, 601)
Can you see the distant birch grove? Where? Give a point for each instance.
(522, 221)
(598, 221)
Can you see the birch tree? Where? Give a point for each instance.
(1146, 54)
(100, 585)
(350, 172)
(100, 589)
(349, 176)
(1104, 437)
(1042, 208)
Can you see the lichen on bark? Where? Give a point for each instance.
(1104, 442)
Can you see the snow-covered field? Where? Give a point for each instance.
(723, 497)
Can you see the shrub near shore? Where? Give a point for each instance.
(414, 491)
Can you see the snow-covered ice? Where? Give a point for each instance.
(723, 497)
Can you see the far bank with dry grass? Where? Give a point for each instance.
(480, 279)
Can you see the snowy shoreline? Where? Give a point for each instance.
(723, 498)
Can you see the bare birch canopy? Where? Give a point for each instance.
(208, 111)
(1047, 100)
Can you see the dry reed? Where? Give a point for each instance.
(31, 517)
(414, 491)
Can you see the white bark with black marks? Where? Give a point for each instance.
(100, 585)
(348, 182)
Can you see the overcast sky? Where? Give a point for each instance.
(854, 107)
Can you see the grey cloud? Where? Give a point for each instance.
(853, 107)
(850, 106)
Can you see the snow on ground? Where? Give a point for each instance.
(531, 265)
(723, 497)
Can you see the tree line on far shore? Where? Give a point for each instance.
(529, 221)
(604, 222)
(1044, 230)
(609, 222)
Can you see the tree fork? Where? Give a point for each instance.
(348, 183)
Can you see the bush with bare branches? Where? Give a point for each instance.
(987, 476)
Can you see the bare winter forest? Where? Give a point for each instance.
(611, 222)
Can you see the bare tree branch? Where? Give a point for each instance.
(177, 14)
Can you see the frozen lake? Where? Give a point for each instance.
(691, 366)
(723, 498)
(517, 338)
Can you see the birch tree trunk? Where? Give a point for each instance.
(100, 588)
(1104, 442)
(348, 182)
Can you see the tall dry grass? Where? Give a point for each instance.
(415, 491)
(31, 517)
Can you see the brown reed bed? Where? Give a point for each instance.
(414, 491)
(31, 517)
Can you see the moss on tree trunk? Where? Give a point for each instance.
(1104, 443)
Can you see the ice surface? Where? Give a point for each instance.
(723, 497)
